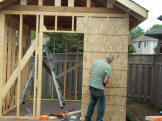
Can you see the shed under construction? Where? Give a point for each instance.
(105, 25)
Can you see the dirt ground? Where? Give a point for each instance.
(139, 111)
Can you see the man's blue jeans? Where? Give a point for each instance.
(97, 96)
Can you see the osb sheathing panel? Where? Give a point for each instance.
(117, 78)
(101, 43)
(103, 36)
(109, 91)
(103, 26)
(120, 61)
(113, 113)
(110, 100)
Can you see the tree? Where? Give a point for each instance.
(156, 26)
(132, 49)
(136, 32)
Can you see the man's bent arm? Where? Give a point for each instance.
(106, 80)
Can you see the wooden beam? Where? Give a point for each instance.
(70, 3)
(57, 2)
(5, 3)
(71, 10)
(69, 70)
(134, 7)
(28, 55)
(67, 93)
(88, 3)
(36, 67)
(19, 66)
(109, 3)
(68, 41)
(40, 2)
(2, 41)
(40, 56)
(65, 68)
(9, 83)
(23, 2)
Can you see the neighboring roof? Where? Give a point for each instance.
(156, 33)
(144, 38)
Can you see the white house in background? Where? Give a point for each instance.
(145, 45)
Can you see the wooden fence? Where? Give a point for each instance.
(145, 78)
(72, 85)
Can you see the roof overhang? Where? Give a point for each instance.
(137, 13)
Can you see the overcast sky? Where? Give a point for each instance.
(155, 10)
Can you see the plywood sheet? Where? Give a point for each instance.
(120, 62)
(105, 43)
(110, 100)
(110, 26)
(117, 78)
(112, 113)
(108, 91)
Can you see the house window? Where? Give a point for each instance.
(139, 44)
(146, 44)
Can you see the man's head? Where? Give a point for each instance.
(110, 58)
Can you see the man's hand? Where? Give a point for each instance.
(106, 80)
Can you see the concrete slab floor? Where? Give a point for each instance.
(47, 108)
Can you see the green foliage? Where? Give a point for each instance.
(132, 49)
(60, 44)
(136, 32)
(156, 26)
(130, 117)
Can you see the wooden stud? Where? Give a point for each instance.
(55, 23)
(57, 2)
(88, 3)
(77, 69)
(9, 62)
(2, 49)
(72, 23)
(109, 3)
(40, 2)
(36, 67)
(19, 66)
(65, 68)
(70, 3)
(40, 66)
(23, 2)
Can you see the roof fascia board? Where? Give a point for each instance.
(134, 7)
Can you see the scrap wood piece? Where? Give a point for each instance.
(73, 113)
(61, 85)
(153, 118)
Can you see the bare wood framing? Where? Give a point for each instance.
(70, 3)
(19, 66)
(40, 2)
(55, 23)
(40, 66)
(23, 2)
(77, 59)
(65, 68)
(69, 70)
(72, 23)
(36, 65)
(2, 41)
(57, 2)
(88, 3)
(109, 3)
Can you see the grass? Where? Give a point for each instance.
(130, 117)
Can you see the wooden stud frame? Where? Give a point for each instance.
(37, 46)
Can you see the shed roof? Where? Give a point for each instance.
(144, 38)
(137, 13)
